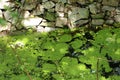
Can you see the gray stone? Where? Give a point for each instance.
(39, 10)
(117, 10)
(48, 5)
(31, 22)
(98, 16)
(117, 18)
(60, 22)
(97, 22)
(108, 8)
(80, 23)
(51, 24)
(5, 27)
(62, 1)
(26, 14)
(67, 8)
(4, 3)
(110, 2)
(29, 6)
(60, 14)
(93, 8)
(51, 10)
(98, 6)
(45, 23)
(59, 7)
(11, 16)
(111, 14)
(78, 13)
(83, 2)
(1, 16)
(44, 0)
(109, 21)
(7, 16)
(90, 1)
(72, 1)
(99, 1)
(56, 1)
(46, 29)
(40, 29)
(3, 33)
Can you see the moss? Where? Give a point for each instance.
(117, 24)
(50, 16)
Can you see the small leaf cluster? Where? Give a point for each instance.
(60, 55)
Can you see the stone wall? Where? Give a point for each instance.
(46, 15)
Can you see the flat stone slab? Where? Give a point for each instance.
(93, 8)
(39, 10)
(60, 22)
(4, 3)
(1, 14)
(31, 22)
(46, 29)
(97, 22)
(80, 23)
(117, 18)
(110, 2)
(97, 16)
(78, 13)
(48, 5)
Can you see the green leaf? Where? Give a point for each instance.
(65, 38)
(116, 54)
(20, 77)
(101, 36)
(105, 65)
(58, 77)
(114, 77)
(61, 47)
(71, 66)
(52, 55)
(48, 45)
(76, 43)
(48, 68)
(50, 16)
(3, 22)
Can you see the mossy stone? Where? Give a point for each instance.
(50, 16)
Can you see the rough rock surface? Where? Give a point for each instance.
(59, 13)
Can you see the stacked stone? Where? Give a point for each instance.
(46, 15)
